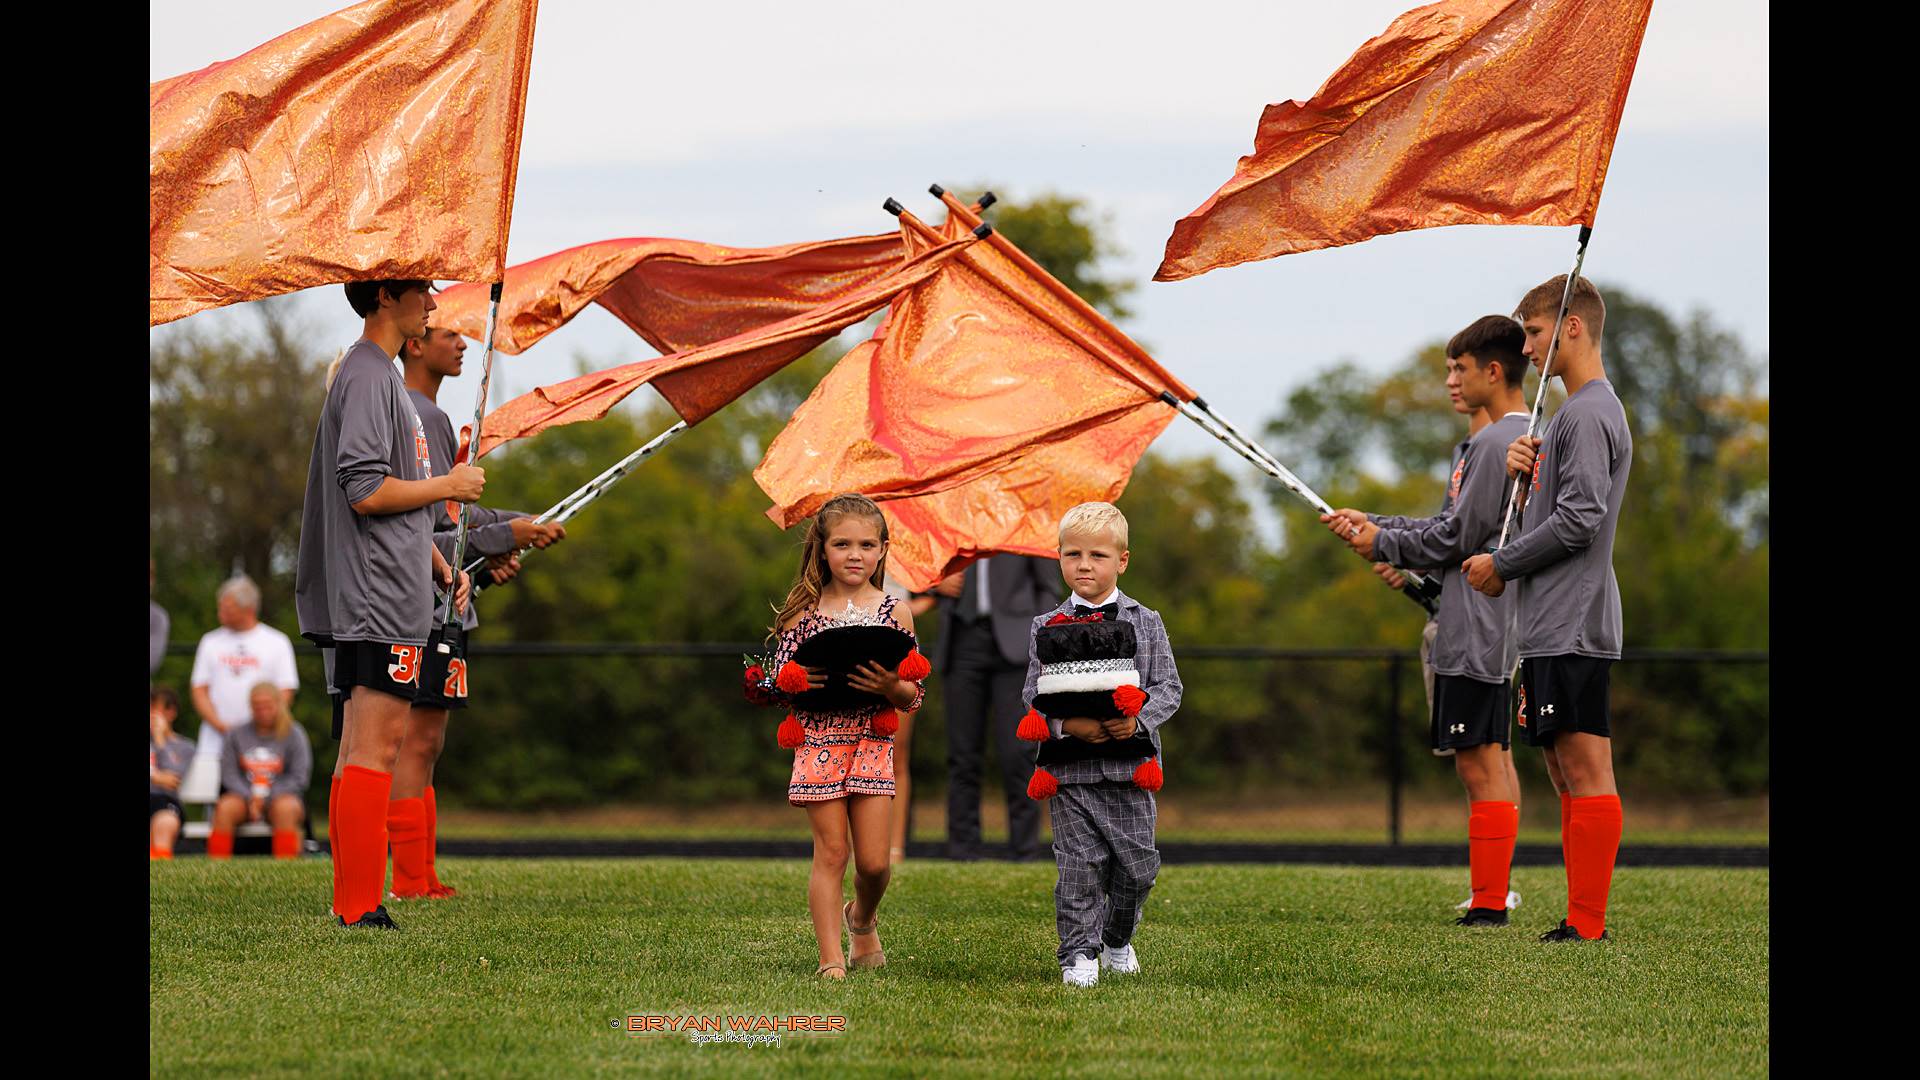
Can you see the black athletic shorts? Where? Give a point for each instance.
(1469, 713)
(157, 802)
(443, 685)
(1564, 693)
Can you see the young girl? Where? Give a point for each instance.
(168, 757)
(843, 773)
(264, 770)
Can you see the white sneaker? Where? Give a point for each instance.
(1120, 961)
(1084, 971)
(1513, 901)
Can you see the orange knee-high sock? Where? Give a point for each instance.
(407, 836)
(1593, 839)
(155, 851)
(220, 844)
(433, 838)
(1491, 829)
(286, 843)
(361, 864)
(333, 835)
(1566, 850)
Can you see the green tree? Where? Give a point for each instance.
(1066, 235)
(230, 429)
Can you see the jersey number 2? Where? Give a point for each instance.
(456, 679)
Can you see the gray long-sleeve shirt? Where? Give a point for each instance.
(365, 578)
(1159, 677)
(1397, 521)
(285, 764)
(1475, 638)
(1560, 564)
(175, 757)
(490, 533)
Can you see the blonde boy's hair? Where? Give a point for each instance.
(1095, 517)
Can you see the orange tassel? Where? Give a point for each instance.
(1148, 776)
(915, 667)
(1043, 785)
(886, 723)
(792, 678)
(1129, 700)
(790, 734)
(1033, 727)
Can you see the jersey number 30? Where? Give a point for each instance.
(406, 665)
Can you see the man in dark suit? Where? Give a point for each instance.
(986, 614)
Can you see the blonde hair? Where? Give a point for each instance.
(812, 575)
(282, 718)
(1091, 518)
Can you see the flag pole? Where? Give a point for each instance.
(1420, 589)
(581, 497)
(1546, 373)
(466, 509)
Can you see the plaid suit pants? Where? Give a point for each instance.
(1103, 846)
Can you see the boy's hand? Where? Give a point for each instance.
(1482, 576)
(1388, 574)
(465, 483)
(168, 780)
(1085, 728)
(529, 533)
(1343, 522)
(1119, 727)
(463, 593)
(503, 568)
(1520, 454)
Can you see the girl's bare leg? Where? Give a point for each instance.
(826, 884)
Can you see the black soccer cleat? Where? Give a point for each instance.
(1566, 932)
(377, 919)
(1483, 916)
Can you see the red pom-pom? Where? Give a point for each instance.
(1148, 776)
(1129, 700)
(792, 678)
(790, 734)
(915, 667)
(755, 674)
(1033, 727)
(1043, 785)
(886, 723)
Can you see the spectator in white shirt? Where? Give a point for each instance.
(231, 660)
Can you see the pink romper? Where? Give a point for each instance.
(842, 756)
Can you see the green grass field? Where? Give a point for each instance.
(1284, 969)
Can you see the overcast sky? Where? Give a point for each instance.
(757, 123)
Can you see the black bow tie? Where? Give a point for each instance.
(1109, 612)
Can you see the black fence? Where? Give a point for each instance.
(568, 724)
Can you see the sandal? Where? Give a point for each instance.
(821, 971)
(875, 959)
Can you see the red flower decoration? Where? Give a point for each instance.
(1033, 727)
(1063, 617)
(886, 723)
(1148, 776)
(790, 734)
(1129, 700)
(1043, 785)
(915, 667)
(792, 678)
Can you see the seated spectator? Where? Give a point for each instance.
(231, 659)
(264, 771)
(168, 756)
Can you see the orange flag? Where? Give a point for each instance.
(382, 141)
(1493, 112)
(676, 294)
(698, 382)
(985, 405)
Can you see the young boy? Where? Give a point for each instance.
(411, 818)
(1560, 559)
(364, 583)
(1472, 650)
(1102, 822)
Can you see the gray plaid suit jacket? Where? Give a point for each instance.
(1158, 677)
